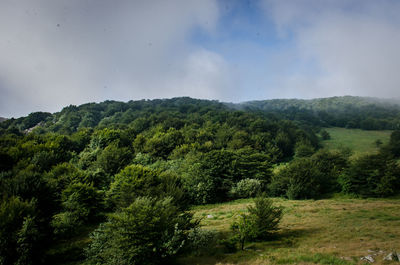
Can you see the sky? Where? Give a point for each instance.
(54, 53)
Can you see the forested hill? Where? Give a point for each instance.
(348, 111)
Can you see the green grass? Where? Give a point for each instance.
(339, 230)
(359, 141)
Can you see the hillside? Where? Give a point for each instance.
(77, 183)
(346, 112)
(2, 119)
(359, 141)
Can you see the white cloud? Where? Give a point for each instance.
(353, 46)
(55, 53)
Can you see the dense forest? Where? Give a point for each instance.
(347, 112)
(129, 172)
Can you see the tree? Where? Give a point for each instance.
(19, 236)
(300, 179)
(149, 231)
(260, 223)
(325, 135)
(265, 217)
(132, 182)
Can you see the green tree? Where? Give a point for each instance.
(325, 135)
(149, 231)
(132, 182)
(19, 236)
(260, 223)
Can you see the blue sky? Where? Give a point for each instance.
(55, 53)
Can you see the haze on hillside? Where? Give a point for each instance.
(57, 53)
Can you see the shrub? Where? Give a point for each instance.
(201, 241)
(147, 232)
(246, 188)
(301, 179)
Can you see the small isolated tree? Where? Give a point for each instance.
(265, 217)
(260, 223)
(325, 135)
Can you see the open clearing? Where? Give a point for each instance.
(332, 231)
(360, 141)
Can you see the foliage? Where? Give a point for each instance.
(132, 182)
(147, 232)
(261, 221)
(246, 188)
(85, 162)
(201, 241)
(371, 175)
(325, 135)
(19, 235)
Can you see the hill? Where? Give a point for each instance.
(346, 112)
(78, 183)
(2, 119)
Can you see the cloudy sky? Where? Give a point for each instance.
(55, 53)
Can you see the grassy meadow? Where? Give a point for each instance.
(332, 231)
(360, 141)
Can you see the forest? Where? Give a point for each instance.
(128, 174)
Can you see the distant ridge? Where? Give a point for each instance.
(2, 119)
(347, 112)
(319, 104)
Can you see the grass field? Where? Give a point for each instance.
(333, 231)
(359, 141)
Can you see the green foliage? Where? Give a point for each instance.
(246, 188)
(260, 223)
(190, 151)
(265, 217)
(112, 159)
(394, 143)
(201, 241)
(132, 182)
(147, 232)
(81, 203)
(303, 150)
(371, 175)
(299, 180)
(309, 177)
(19, 236)
(325, 135)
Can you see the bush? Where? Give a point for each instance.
(301, 179)
(201, 241)
(147, 232)
(246, 188)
